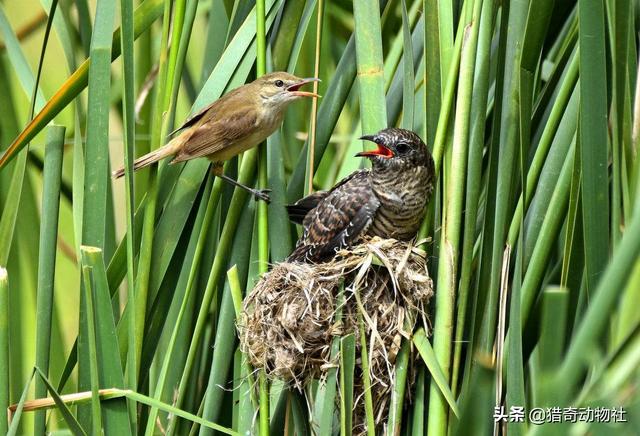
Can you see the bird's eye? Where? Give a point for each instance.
(279, 83)
(402, 147)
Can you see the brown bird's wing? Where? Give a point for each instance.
(194, 119)
(214, 134)
(208, 111)
(299, 210)
(338, 221)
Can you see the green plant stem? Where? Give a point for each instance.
(593, 138)
(128, 109)
(47, 259)
(366, 379)
(452, 224)
(347, 366)
(4, 349)
(398, 394)
(96, 412)
(474, 180)
(370, 64)
(157, 138)
(263, 220)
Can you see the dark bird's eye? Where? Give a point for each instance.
(279, 83)
(402, 147)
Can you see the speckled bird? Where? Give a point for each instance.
(234, 123)
(386, 201)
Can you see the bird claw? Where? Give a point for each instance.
(262, 194)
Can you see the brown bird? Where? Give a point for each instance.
(239, 120)
(386, 201)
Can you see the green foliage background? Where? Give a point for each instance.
(121, 291)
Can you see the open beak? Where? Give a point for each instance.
(381, 151)
(294, 89)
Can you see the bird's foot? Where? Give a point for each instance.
(261, 194)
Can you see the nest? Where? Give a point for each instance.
(290, 318)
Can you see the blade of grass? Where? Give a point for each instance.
(296, 48)
(431, 78)
(370, 65)
(565, 105)
(448, 98)
(249, 402)
(299, 412)
(47, 259)
(552, 333)
(107, 356)
(241, 43)
(592, 145)
(394, 422)
(96, 412)
(396, 83)
(445, 36)
(347, 367)
(158, 133)
(478, 405)
(216, 37)
(419, 403)
(4, 349)
(515, 379)
(544, 243)
(395, 52)
(366, 379)
(129, 127)
(326, 395)
(19, 61)
(429, 357)
(143, 399)
(314, 104)
(71, 421)
(14, 418)
(280, 242)
(261, 210)
(408, 97)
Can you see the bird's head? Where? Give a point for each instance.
(281, 88)
(397, 148)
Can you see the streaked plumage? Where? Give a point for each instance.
(386, 201)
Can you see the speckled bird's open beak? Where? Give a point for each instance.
(381, 151)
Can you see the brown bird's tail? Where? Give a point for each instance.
(144, 161)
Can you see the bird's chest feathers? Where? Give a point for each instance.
(401, 190)
(269, 119)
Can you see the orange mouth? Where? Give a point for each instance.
(294, 89)
(381, 151)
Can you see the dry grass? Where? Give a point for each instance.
(289, 320)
